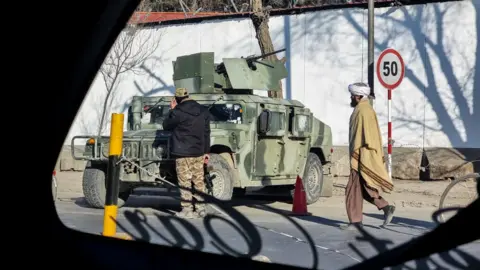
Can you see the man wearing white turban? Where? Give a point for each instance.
(368, 174)
(359, 90)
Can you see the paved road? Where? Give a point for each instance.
(276, 236)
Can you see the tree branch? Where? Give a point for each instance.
(260, 17)
(132, 48)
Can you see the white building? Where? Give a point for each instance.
(435, 106)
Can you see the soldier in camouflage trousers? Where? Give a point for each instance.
(189, 123)
(190, 171)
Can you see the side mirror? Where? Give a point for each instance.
(264, 122)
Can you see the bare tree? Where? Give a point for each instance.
(260, 18)
(132, 48)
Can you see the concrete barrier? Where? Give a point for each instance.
(407, 162)
(66, 162)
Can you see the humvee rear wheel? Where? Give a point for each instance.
(312, 178)
(223, 177)
(94, 187)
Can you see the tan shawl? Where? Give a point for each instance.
(366, 151)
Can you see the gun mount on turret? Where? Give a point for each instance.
(198, 73)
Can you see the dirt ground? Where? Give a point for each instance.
(407, 194)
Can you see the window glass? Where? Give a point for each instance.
(301, 123)
(227, 112)
(155, 115)
(277, 121)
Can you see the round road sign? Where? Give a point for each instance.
(390, 68)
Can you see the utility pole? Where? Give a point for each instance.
(371, 44)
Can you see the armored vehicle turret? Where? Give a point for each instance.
(257, 142)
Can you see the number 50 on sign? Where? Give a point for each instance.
(390, 69)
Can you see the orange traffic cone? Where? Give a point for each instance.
(299, 200)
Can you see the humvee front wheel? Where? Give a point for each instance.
(94, 187)
(223, 177)
(312, 178)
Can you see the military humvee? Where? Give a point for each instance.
(256, 141)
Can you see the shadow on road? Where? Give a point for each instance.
(406, 222)
(315, 219)
(466, 261)
(186, 234)
(225, 213)
(169, 202)
(170, 233)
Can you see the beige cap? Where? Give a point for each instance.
(181, 92)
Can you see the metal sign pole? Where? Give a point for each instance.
(389, 133)
(371, 63)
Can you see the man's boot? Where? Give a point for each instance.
(351, 226)
(187, 212)
(388, 214)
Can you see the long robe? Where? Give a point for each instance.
(366, 151)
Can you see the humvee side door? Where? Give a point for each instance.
(269, 145)
(297, 140)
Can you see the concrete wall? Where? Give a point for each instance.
(435, 106)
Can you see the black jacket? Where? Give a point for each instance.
(189, 123)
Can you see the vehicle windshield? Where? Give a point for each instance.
(228, 112)
(155, 115)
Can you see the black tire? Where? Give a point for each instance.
(312, 179)
(94, 188)
(223, 181)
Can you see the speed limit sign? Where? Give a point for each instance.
(390, 69)
(390, 73)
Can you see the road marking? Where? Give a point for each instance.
(296, 239)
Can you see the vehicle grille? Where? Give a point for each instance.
(148, 150)
(130, 149)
